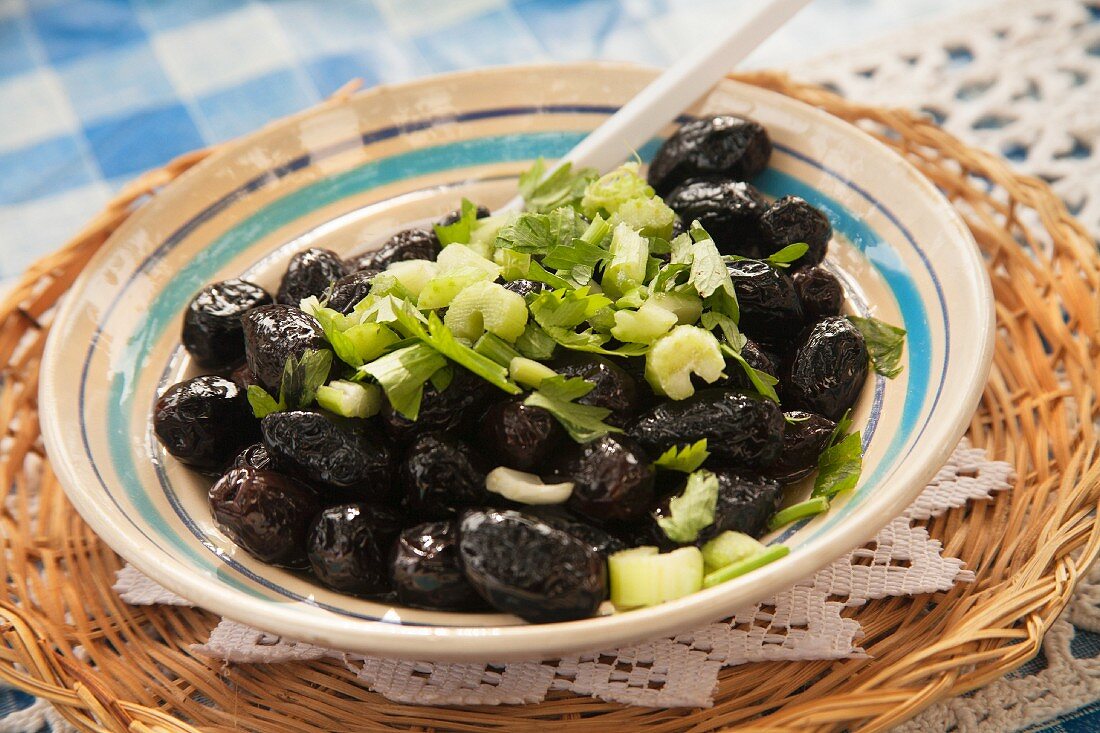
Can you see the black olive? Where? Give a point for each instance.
(522, 565)
(255, 456)
(745, 503)
(724, 145)
(791, 220)
(805, 436)
(517, 435)
(526, 287)
(274, 332)
(350, 547)
(345, 454)
(599, 539)
(212, 331)
(243, 377)
(349, 290)
(819, 292)
(612, 478)
(266, 513)
(742, 430)
(615, 389)
(460, 402)
(311, 272)
(828, 369)
(426, 572)
(411, 244)
(204, 422)
(440, 474)
(770, 311)
(729, 211)
(736, 378)
(452, 217)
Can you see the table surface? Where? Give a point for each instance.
(93, 92)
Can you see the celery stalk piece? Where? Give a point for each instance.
(652, 217)
(494, 347)
(643, 577)
(728, 548)
(442, 289)
(487, 306)
(514, 265)
(644, 325)
(687, 306)
(676, 356)
(526, 488)
(629, 257)
(350, 399)
(759, 560)
(529, 372)
(413, 274)
(458, 256)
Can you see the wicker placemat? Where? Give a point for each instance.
(111, 667)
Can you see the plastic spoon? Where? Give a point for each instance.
(674, 91)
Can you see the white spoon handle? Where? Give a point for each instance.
(674, 91)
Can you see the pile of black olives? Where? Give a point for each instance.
(398, 510)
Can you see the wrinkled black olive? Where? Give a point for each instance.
(745, 503)
(255, 456)
(805, 436)
(345, 454)
(212, 331)
(770, 310)
(440, 474)
(460, 402)
(724, 145)
(599, 539)
(736, 378)
(729, 211)
(351, 546)
(426, 572)
(828, 368)
(612, 478)
(411, 244)
(791, 220)
(204, 422)
(274, 332)
(517, 435)
(349, 290)
(311, 272)
(266, 513)
(526, 287)
(522, 565)
(243, 377)
(452, 217)
(742, 430)
(819, 292)
(615, 389)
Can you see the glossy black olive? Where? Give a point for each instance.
(204, 422)
(615, 389)
(255, 456)
(426, 572)
(349, 455)
(411, 244)
(729, 211)
(266, 513)
(522, 565)
(742, 430)
(828, 369)
(274, 332)
(725, 145)
(351, 546)
(736, 378)
(612, 478)
(440, 474)
(791, 220)
(770, 311)
(243, 377)
(518, 436)
(462, 401)
(745, 503)
(311, 272)
(349, 290)
(526, 287)
(212, 331)
(805, 436)
(558, 517)
(452, 217)
(819, 292)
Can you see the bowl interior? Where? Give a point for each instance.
(343, 177)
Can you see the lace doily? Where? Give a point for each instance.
(804, 622)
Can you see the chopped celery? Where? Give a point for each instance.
(496, 348)
(728, 548)
(486, 306)
(651, 216)
(529, 372)
(611, 190)
(759, 560)
(362, 343)
(526, 488)
(458, 256)
(644, 325)
(629, 257)
(687, 306)
(514, 265)
(809, 508)
(413, 274)
(643, 577)
(402, 375)
(483, 234)
(441, 290)
(350, 399)
(676, 356)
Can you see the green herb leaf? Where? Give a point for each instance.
(680, 250)
(440, 338)
(669, 276)
(582, 422)
(565, 388)
(563, 187)
(762, 382)
(402, 375)
(884, 344)
(708, 269)
(535, 343)
(441, 380)
(357, 344)
(692, 510)
(460, 230)
(839, 466)
(565, 226)
(734, 339)
(262, 403)
(538, 273)
(565, 308)
(686, 458)
(787, 255)
(302, 377)
(529, 233)
(592, 342)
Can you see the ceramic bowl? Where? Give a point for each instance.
(342, 177)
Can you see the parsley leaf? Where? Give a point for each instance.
(565, 388)
(529, 233)
(730, 332)
(884, 344)
(302, 377)
(535, 343)
(686, 458)
(402, 375)
(262, 403)
(582, 422)
(762, 382)
(692, 510)
(787, 255)
(563, 187)
(592, 342)
(565, 308)
(839, 466)
(460, 230)
(708, 269)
